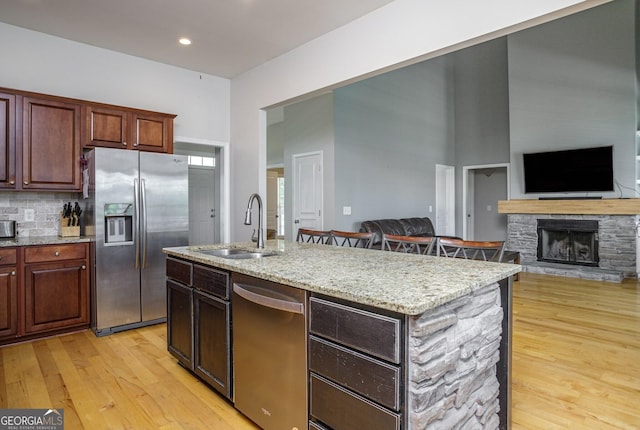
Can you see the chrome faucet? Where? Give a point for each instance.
(247, 217)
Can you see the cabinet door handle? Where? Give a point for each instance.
(57, 253)
(84, 267)
(26, 182)
(135, 144)
(0, 257)
(124, 143)
(13, 273)
(12, 182)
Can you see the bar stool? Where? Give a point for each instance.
(313, 236)
(409, 244)
(352, 239)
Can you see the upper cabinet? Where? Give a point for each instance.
(50, 144)
(128, 129)
(7, 140)
(42, 137)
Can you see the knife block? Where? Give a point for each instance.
(68, 230)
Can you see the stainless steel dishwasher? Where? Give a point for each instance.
(270, 353)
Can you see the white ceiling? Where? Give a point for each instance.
(229, 36)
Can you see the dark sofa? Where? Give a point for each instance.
(401, 227)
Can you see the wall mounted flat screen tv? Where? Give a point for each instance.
(573, 170)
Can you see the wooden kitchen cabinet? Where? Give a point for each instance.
(8, 293)
(56, 287)
(199, 321)
(344, 338)
(123, 128)
(7, 140)
(51, 145)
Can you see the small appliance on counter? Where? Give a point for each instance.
(7, 229)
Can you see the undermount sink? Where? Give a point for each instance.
(235, 253)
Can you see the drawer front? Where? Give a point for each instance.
(211, 280)
(38, 254)
(8, 256)
(373, 379)
(179, 270)
(365, 331)
(316, 426)
(340, 409)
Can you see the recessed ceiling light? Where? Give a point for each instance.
(184, 41)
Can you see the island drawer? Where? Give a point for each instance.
(48, 253)
(8, 256)
(179, 270)
(340, 409)
(211, 280)
(368, 332)
(374, 379)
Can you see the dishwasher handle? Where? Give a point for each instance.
(253, 294)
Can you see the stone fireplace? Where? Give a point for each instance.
(604, 247)
(568, 241)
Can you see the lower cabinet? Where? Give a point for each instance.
(44, 290)
(212, 351)
(355, 364)
(198, 321)
(8, 295)
(180, 322)
(56, 274)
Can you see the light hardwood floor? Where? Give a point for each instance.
(576, 365)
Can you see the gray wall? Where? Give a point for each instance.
(390, 131)
(308, 127)
(572, 85)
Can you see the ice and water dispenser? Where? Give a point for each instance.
(118, 223)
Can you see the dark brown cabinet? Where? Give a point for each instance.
(51, 146)
(180, 322)
(355, 365)
(56, 287)
(8, 293)
(212, 341)
(7, 140)
(124, 128)
(198, 321)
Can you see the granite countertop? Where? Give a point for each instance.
(43, 240)
(404, 283)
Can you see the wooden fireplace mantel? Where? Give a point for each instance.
(570, 206)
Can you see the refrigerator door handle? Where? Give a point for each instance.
(143, 236)
(136, 221)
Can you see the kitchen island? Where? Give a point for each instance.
(417, 341)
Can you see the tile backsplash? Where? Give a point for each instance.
(46, 211)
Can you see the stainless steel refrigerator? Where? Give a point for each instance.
(136, 204)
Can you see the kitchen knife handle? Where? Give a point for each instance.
(136, 221)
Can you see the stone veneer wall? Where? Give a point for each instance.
(616, 235)
(46, 208)
(453, 352)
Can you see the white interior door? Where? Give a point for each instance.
(307, 192)
(445, 200)
(202, 210)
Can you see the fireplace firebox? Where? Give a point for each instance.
(568, 241)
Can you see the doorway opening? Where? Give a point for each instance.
(482, 187)
(275, 203)
(208, 194)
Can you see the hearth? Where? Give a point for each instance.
(568, 241)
